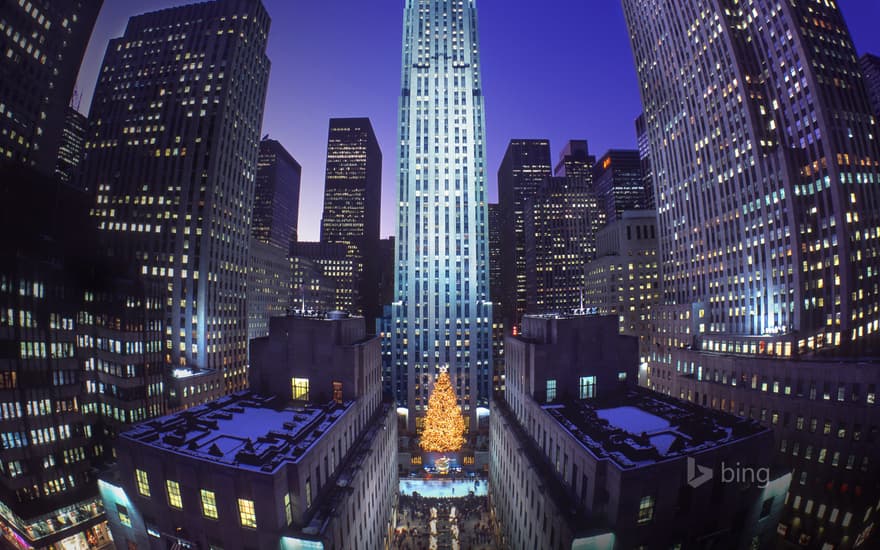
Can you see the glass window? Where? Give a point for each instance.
(551, 390)
(124, 518)
(246, 513)
(308, 493)
(300, 388)
(288, 509)
(143, 482)
(646, 509)
(587, 387)
(337, 392)
(209, 504)
(174, 494)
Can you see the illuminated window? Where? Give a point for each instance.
(124, 518)
(300, 388)
(646, 509)
(587, 387)
(551, 390)
(209, 504)
(143, 482)
(246, 513)
(173, 489)
(337, 392)
(308, 493)
(288, 509)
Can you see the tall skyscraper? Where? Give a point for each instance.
(173, 161)
(352, 204)
(767, 184)
(575, 161)
(72, 147)
(870, 64)
(644, 146)
(43, 43)
(619, 183)
(442, 313)
(276, 195)
(496, 292)
(526, 164)
(560, 226)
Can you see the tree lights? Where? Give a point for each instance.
(444, 424)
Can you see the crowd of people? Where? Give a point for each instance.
(470, 513)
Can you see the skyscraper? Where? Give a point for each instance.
(617, 177)
(644, 146)
(525, 165)
(352, 203)
(276, 195)
(442, 313)
(173, 161)
(496, 292)
(72, 146)
(43, 43)
(575, 161)
(766, 175)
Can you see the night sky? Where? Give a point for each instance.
(551, 69)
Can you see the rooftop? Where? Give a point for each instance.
(244, 430)
(639, 428)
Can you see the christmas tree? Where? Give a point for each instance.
(444, 424)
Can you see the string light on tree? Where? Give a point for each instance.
(444, 424)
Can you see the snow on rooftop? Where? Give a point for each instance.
(633, 420)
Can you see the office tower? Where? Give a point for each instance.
(83, 357)
(581, 459)
(352, 203)
(768, 238)
(644, 146)
(442, 313)
(311, 290)
(276, 195)
(560, 225)
(525, 165)
(624, 279)
(43, 43)
(338, 262)
(619, 183)
(308, 462)
(496, 292)
(870, 65)
(269, 286)
(575, 161)
(173, 162)
(72, 147)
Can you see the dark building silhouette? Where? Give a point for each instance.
(575, 162)
(82, 356)
(767, 230)
(72, 147)
(619, 182)
(276, 195)
(644, 146)
(352, 205)
(43, 43)
(525, 165)
(870, 65)
(172, 162)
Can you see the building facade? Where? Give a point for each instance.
(43, 43)
(276, 195)
(644, 146)
(83, 341)
(340, 270)
(496, 291)
(187, 139)
(352, 205)
(269, 286)
(442, 310)
(308, 462)
(525, 166)
(619, 182)
(581, 458)
(767, 234)
(72, 147)
(870, 65)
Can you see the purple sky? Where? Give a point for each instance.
(553, 69)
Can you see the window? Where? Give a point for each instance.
(766, 507)
(587, 387)
(308, 493)
(174, 499)
(246, 513)
(646, 509)
(143, 482)
(621, 377)
(288, 509)
(209, 504)
(337, 392)
(124, 518)
(551, 390)
(300, 388)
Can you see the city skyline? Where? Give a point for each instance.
(571, 106)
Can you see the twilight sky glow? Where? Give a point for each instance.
(551, 69)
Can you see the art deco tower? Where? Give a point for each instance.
(442, 313)
(174, 136)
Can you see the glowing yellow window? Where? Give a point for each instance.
(209, 504)
(143, 482)
(174, 499)
(300, 388)
(246, 513)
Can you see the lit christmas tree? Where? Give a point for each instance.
(444, 424)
